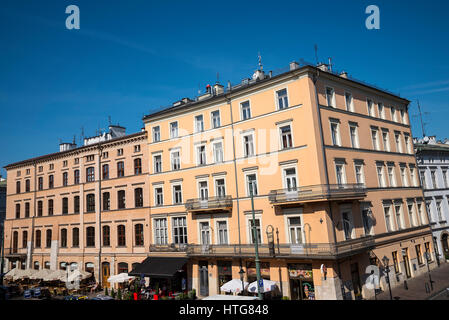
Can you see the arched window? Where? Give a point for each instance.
(50, 207)
(121, 237)
(73, 266)
(48, 242)
(90, 205)
(65, 205)
(122, 267)
(121, 199)
(106, 236)
(137, 166)
(24, 239)
(75, 237)
(36, 265)
(89, 267)
(120, 169)
(47, 265)
(63, 238)
(90, 237)
(38, 239)
(138, 197)
(105, 171)
(138, 228)
(63, 266)
(39, 208)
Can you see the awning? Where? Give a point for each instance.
(159, 267)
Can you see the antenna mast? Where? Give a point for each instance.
(420, 117)
(260, 62)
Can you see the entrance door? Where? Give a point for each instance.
(355, 276)
(105, 271)
(445, 246)
(406, 263)
(204, 279)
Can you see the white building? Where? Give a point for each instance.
(433, 162)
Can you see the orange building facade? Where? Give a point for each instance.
(328, 160)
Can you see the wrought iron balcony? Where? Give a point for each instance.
(321, 192)
(209, 205)
(293, 251)
(15, 252)
(168, 247)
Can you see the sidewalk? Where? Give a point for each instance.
(416, 286)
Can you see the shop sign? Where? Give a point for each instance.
(300, 271)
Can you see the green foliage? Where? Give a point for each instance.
(119, 294)
(164, 298)
(191, 294)
(285, 298)
(106, 292)
(113, 293)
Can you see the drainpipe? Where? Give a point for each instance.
(235, 170)
(100, 273)
(326, 172)
(33, 217)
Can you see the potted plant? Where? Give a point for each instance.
(112, 293)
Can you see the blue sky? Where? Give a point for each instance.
(132, 57)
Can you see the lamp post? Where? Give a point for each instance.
(428, 269)
(385, 261)
(241, 273)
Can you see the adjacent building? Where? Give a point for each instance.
(433, 164)
(315, 166)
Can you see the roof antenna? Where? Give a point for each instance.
(316, 53)
(109, 120)
(330, 64)
(260, 62)
(218, 77)
(420, 117)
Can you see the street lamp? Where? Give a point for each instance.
(428, 269)
(241, 273)
(385, 261)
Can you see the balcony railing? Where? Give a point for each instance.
(317, 193)
(168, 247)
(15, 252)
(308, 250)
(210, 205)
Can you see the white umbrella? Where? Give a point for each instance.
(77, 273)
(40, 274)
(11, 273)
(235, 285)
(20, 274)
(121, 277)
(56, 275)
(268, 285)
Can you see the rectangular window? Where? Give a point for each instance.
(419, 254)
(158, 196)
(330, 97)
(386, 140)
(201, 155)
(393, 114)
(399, 220)
(411, 213)
(439, 211)
(175, 160)
(203, 190)
(407, 144)
(434, 180)
(65, 179)
(90, 174)
(137, 148)
(51, 182)
(282, 99)
(375, 139)
(349, 102)
(251, 184)
(156, 134)
(220, 189)
(290, 179)
(391, 176)
(253, 230)
(397, 139)
(295, 230)
(174, 129)
(367, 221)
(119, 152)
(65, 205)
(199, 123)
(339, 170)
(246, 110)
(121, 199)
(76, 204)
(286, 137)
(160, 231)
(380, 106)
(106, 201)
(76, 177)
(353, 136)
(404, 177)
(205, 233)
(222, 228)
(422, 176)
(380, 176)
(248, 145)
(395, 261)
(369, 104)
(445, 178)
(179, 230)
(215, 119)
(388, 219)
(177, 194)
(359, 177)
(218, 152)
(157, 160)
(335, 135)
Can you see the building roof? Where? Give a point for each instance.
(61, 153)
(432, 147)
(305, 67)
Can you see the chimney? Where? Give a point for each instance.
(322, 67)
(258, 75)
(344, 74)
(65, 146)
(218, 89)
(294, 65)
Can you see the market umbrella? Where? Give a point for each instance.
(235, 285)
(56, 275)
(121, 277)
(41, 274)
(77, 273)
(268, 285)
(13, 272)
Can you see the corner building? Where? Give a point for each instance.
(331, 167)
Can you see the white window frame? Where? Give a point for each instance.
(371, 111)
(195, 122)
(376, 144)
(217, 235)
(222, 150)
(212, 119)
(362, 171)
(394, 182)
(349, 107)
(386, 145)
(173, 185)
(398, 142)
(294, 213)
(200, 235)
(391, 218)
(382, 184)
(404, 177)
(197, 154)
(248, 228)
(276, 96)
(198, 184)
(166, 231)
(338, 139)
(333, 103)
(253, 144)
(155, 195)
(343, 172)
(281, 145)
(215, 184)
(381, 110)
(247, 185)
(241, 110)
(154, 162)
(153, 133)
(355, 143)
(284, 175)
(172, 152)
